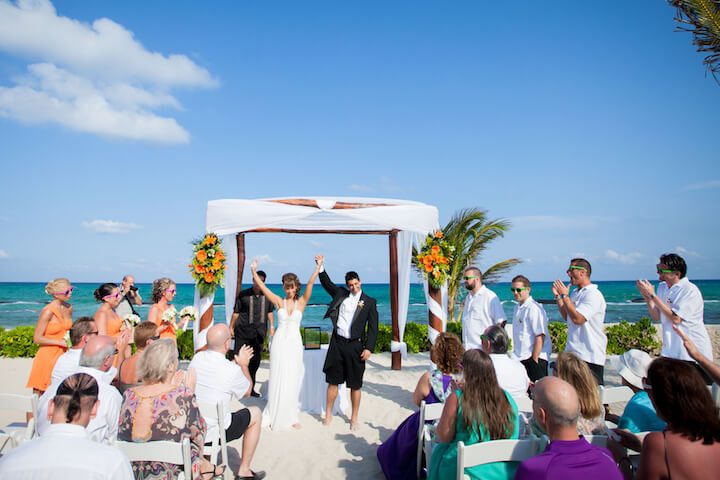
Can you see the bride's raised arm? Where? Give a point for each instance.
(308, 289)
(276, 300)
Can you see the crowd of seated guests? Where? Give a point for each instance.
(398, 454)
(144, 334)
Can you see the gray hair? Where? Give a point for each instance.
(157, 361)
(96, 360)
(498, 338)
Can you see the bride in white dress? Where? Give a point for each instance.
(286, 352)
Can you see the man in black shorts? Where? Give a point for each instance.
(218, 380)
(355, 326)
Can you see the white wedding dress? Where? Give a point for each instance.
(286, 372)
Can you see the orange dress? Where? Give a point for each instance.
(114, 325)
(168, 331)
(47, 355)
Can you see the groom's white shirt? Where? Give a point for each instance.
(347, 312)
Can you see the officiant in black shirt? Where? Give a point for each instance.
(249, 324)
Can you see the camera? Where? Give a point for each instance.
(134, 288)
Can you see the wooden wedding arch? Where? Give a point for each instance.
(405, 223)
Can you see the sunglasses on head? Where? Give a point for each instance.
(517, 290)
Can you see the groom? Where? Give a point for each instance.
(355, 326)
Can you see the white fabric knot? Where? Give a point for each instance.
(399, 347)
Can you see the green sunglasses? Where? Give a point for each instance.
(518, 290)
(662, 270)
(576, 267)
(470, 277)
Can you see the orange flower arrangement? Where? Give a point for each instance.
(208, 264)
(434, 258)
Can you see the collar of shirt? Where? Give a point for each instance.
(683, 282)
(67, 429)
(588, 287)
(526, 303)
(99, 375)
(480, 291)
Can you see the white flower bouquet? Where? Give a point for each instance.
(169, 315)
(187, 315)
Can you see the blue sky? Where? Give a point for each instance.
(590, 125)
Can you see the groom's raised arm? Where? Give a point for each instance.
(328, 284)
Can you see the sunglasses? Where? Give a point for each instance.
(518, 290)
(113, 295)
(470, 277)
(67, 292)
(171, 291)
(575, 267)
(663, 270)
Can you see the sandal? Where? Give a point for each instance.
(255, 476)
(216, 474)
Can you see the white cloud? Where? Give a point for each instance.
(4, 254)
(711, 184)
(356, 187)
(686, 252)
(110, 226)
(555, 222)
(316, 244)
(91, 78)
(623, 258)
(384, 184)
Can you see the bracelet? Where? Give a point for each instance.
(562, 295)
(652, 295)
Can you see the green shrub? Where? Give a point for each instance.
(383, 338)
(18, 342)
(625, 336)
(558, 335)
(416, 337)
(456, 328)
(185, 345)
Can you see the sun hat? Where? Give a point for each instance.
(633, 366)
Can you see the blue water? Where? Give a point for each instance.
(20, 303)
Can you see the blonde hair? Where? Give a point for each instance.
(576, 372)
(56, 286)
(159, 286)
(157, 362)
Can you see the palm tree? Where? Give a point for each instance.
(703, 18)
(470, 232)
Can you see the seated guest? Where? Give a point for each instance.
(480, 411)
(96, 360)
(577, 373)
(639, 414)
(218, 380)
(68, 363)
(163, 407)
(398, 454)
(66, 451)
(143, 335)
(511, 374)
(556, 409)
(690, 446)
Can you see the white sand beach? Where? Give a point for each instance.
(316, 451)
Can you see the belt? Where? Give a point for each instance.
(346, 340)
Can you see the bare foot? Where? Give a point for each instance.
(354, 426)
(327, 420)
(297, 426)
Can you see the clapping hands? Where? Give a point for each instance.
(559, 288)
(244, 355)
(645, 288)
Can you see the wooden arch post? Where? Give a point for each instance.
(396, 363)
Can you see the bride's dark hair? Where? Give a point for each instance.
(291, 280)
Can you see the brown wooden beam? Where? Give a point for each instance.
(396, 363)
(240, 243)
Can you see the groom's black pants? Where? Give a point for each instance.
(343, 364)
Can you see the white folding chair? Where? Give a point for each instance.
(524, 403)
(7, 443)
(496, 451)
(20, 431)
(597, 440)
(428, 412)
(177, 453)
(214, 414)
(615, 394)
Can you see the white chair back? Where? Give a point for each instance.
(20, 431)
(428, 412)
(597, 440)
(524, 403)
(215, 414)
(615, 394)
(496, 451)
(177, 453)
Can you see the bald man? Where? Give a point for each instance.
(556, 410)
(96, 359)
(218, 380)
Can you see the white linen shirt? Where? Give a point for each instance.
(480, 311)
(346, 314)
(511, 374)
(65, 452)
(685, 299)
(66, 365)
(104, 427)
(529, 321)
(218, 380)
(588, 341)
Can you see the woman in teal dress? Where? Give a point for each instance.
(478, 411)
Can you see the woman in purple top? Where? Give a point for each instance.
(398, 454)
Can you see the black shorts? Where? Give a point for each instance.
(535, 371)
(343, 363)
(239, 423)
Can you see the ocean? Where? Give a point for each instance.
(20, 303)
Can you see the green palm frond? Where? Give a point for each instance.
(702, 19)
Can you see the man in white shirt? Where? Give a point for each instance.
(67, 364)
(482, 309)
(584, 311)
(511, 374)
(66, 451)
(531, 339)
(218, 380)
(96, 360)
(130, 297)
(678, 302)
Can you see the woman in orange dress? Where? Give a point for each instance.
(163, 292)
(53, 323)
(108, 322)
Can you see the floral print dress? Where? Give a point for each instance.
(175, 415)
